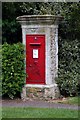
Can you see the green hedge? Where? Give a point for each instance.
(69, 68)
(13, 74)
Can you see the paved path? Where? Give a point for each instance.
(36, 103)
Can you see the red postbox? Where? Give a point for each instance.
(35, 59)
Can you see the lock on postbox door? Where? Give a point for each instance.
(35, 59)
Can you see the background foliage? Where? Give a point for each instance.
(69, 65)
(69, 38)
(69, 28)
(12, 69)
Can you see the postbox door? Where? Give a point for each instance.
(35, 59)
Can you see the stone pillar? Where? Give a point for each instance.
(47, 25)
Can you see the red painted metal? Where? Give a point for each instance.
(35, 67)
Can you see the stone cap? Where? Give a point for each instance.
(39, 19)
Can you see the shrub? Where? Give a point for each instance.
(69, 70)
(12, 69)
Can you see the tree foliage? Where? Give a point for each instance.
(70, 28)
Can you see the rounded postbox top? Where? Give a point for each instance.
(39, 19)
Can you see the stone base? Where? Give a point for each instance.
(40, 92)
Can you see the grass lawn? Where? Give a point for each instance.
(70, 100)
(18, 112)
(73, 100)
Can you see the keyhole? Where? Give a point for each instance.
(30, 65)
(35, 38)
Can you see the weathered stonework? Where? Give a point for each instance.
(45, 25)
(53, 54)
(40, 92)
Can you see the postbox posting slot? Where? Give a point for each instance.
(38, 44)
